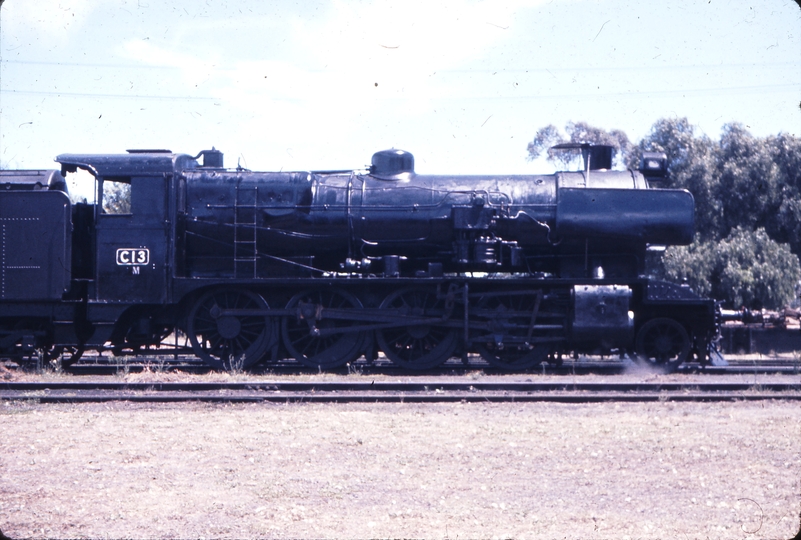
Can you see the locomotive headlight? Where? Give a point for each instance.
(651, 164)
(654, 164)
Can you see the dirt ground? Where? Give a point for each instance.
(532, 470)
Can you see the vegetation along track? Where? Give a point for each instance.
(413, 392)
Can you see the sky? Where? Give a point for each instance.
(306, 85)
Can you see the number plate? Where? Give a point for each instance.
(133, 256)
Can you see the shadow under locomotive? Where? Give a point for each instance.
(325, 267)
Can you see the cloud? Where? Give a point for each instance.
(354, 56)
(413, 35)
(352, 74)
(193, 67)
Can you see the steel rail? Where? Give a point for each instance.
(393, 392)
(137, 363)
(567, 368)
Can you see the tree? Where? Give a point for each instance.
(739, 181)
(577, 132)
(691, 166)
(691, 265)
(747, 193)
(747, 269)
(784, 222)
(749, 184)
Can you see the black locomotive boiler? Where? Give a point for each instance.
(328, 266)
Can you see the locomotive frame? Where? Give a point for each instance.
(328, 266)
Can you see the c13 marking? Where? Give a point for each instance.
(133, 257)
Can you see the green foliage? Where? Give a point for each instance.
(689, 264)
(747, 193)
(747, 269)
(543, 140)
(577, 132)
(691, 166)
(738, 181)
(783, 219)
(748, 180)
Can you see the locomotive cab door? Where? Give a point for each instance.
(132, 238)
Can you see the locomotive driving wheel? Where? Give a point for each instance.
(225, 341)
(507, 345)
(318, 340)
(420, 345)
(662, 342)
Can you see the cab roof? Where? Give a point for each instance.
(135, 163)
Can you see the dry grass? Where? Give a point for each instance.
(534, 470)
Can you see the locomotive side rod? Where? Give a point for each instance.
(450, 324)
(391, 321)
(370, 314)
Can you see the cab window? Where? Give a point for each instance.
(116, 197)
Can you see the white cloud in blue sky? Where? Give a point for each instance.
(462, 84)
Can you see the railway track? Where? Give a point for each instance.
(579, 369)
(105, 365)
(429, 391)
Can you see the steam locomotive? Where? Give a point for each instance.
(177, 253)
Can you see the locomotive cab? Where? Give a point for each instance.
(132, 226)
